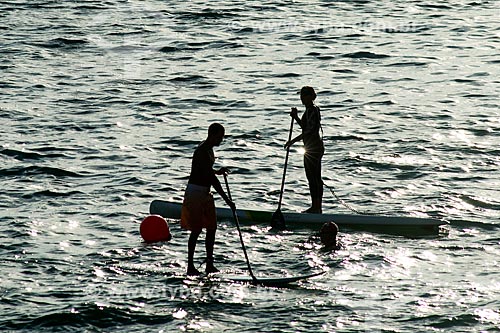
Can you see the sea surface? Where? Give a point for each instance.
(103, 102)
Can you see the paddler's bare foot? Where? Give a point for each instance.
(192, 271)
(312, 210)
(211, 269)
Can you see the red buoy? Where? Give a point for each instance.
(154, 228)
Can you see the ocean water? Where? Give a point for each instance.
(103, 102)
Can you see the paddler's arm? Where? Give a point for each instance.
(294, 114)
(291, 142)
(218, 187)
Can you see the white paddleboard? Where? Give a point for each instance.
(389, 224)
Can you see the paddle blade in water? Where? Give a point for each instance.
(278, 220)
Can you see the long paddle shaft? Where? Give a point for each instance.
(286, 163)
(239, 232)
(278, 220)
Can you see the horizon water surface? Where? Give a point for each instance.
(103, 102)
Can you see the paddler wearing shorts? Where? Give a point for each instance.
(198, 207)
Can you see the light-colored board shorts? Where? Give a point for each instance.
(198, 209)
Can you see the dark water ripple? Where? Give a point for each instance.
(36, 170)
(22, 155)
(49, 193)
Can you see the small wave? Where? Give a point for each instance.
(6, 85)
(63, 43)
(404, 30)
(388, 102)
(238, 104)
(78, 128)
(480, 132)
(36, 170)
(152, 103)
(376, 165)
(169, 49)
(365, 55)
(479, 74)
(219, 44)
(472, 224)
(205, 14)
(187, 78)
(475, 4)
(321, 57)
(133, 181)
(243, 30)
(476, 96)
(479, 203)
(90, 7)
(98, 316)
(350, 36)
(250, 135)
(434, 6)
(464, 81)
(387, 80)
(325, 57)
(22, 155)
(176, 144)
(77, 101)
(194, 101)
(50, 193)
(343, 138)
(457, 321)
(410, 175)
(285, 75)
(344, 71)
(407, 64)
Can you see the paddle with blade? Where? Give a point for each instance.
(278, 220)
(235, 216)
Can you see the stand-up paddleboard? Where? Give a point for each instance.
(381, 223)
(270, 281)
(222, 277)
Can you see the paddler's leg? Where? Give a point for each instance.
(316, 205)
(312, 166)
(191, 270)
(317, 189)
(209, 246)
